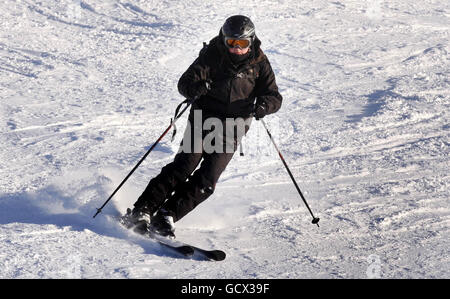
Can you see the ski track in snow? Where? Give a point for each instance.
(87, 87)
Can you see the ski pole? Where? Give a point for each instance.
(172, 124)
(315, 219)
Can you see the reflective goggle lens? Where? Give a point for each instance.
(242, 43)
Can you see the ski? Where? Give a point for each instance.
(178, 246)
(187, 251)
(215, 255)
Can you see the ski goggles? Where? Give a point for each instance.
(237, 42)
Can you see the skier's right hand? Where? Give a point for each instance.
(200, 88)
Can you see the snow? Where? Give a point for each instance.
(88, 86)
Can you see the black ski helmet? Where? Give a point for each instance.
(239, 27)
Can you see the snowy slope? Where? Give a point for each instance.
(87, 86)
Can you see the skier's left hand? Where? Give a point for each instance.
(260, 110)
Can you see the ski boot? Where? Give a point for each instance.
(138, 219)
(162, 224)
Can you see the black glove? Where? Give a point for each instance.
(260, 110)
(200, 88)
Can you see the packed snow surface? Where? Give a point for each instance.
(86, 87)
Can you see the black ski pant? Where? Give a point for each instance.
(182, 185)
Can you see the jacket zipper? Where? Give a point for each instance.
(235, 76)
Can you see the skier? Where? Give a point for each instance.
(231, 79)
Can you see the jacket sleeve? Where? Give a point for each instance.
(267, 89)
(196, 72)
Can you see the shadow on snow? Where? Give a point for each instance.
(51, 206)
(377, 99)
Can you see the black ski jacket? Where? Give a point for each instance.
(234, 88)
